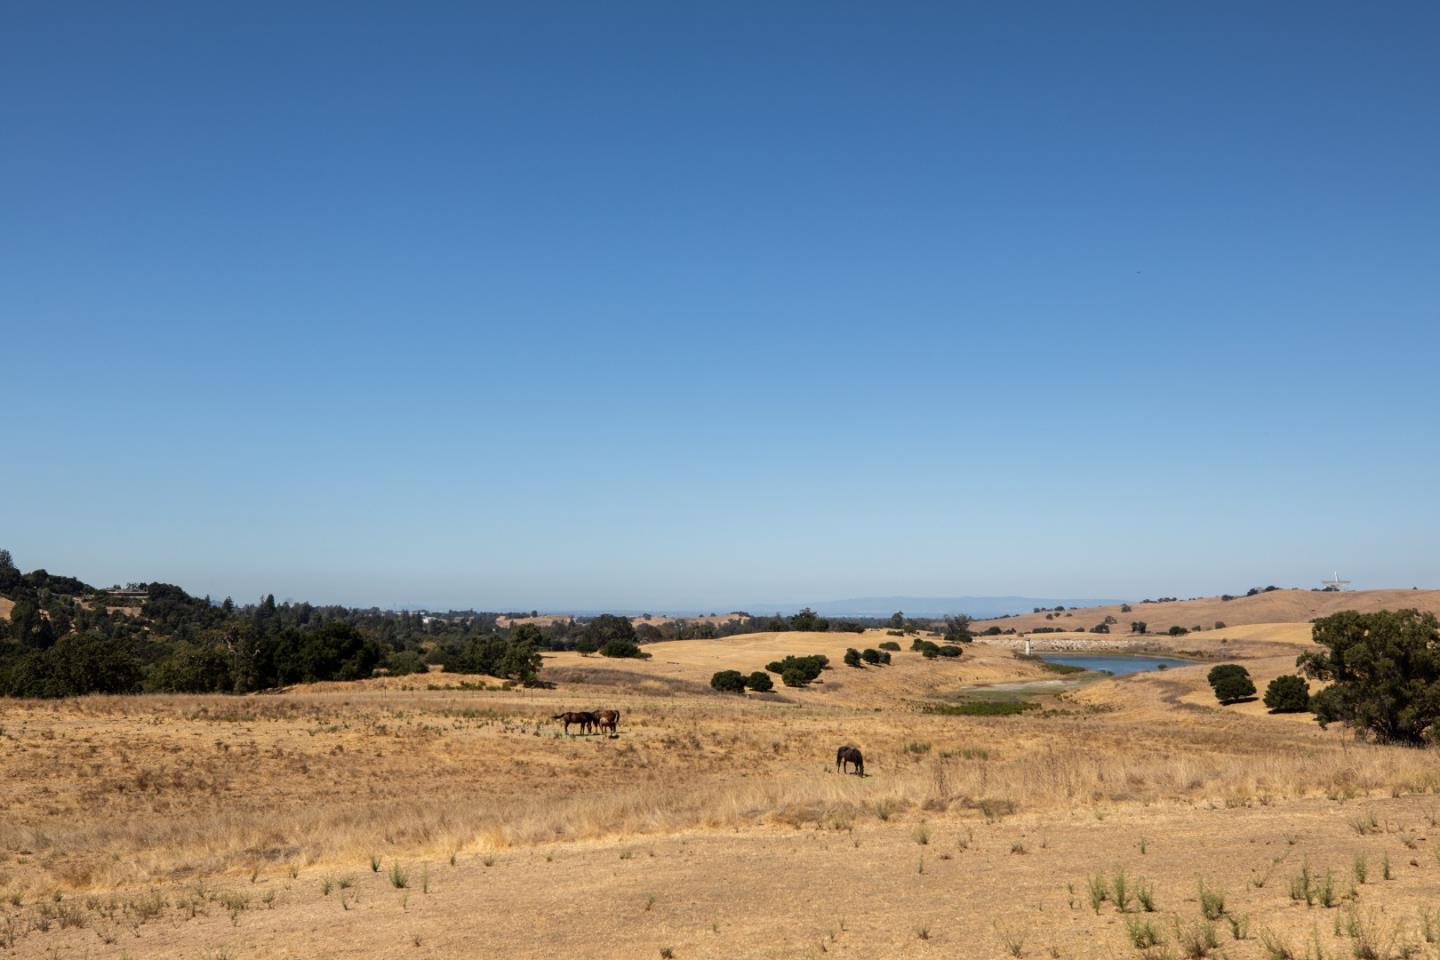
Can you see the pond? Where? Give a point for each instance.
(1118, 664)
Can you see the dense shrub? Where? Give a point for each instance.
(870, 655)
(1288, 694)
(728, 681)
(1225, 670)
(404, 662)
(1385, 673)
(889, 645)
(495, 656)
(608, 628)
(949, 650)
(1232, 688)
(808, 667)
(1178, 631)
(809, 620)
(336, 651)
(192, 668)
(75, 664)
(623, 649)
(794, 677)
(852, 657)
(927, 649)
(760, 682)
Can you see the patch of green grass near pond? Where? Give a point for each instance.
(979, 708)
(1044, 664)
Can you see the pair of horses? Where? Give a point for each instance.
(591, 720)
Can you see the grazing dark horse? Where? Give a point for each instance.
(608, 720)
(584, 718)
(846, 755)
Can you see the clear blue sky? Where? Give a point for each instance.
(667, 305)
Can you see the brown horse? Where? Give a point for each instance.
(608, 720)
(847, 755)
(584, 718)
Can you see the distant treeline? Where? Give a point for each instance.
(65, 637)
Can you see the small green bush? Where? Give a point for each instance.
(889, 645)
(949, 650)
(1288, 694)
(870, 655)
(809, 667)
(794, 677)
(1232, 689)
(1225, 670)
(728, 681)
(624, 649)
(760, 682)
(852, 657)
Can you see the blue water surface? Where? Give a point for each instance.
(1119, 664)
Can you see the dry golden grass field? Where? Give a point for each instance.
(1278, 606)
(428, 818)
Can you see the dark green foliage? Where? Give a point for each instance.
(949, 651)
(870, 655)
(957, 629)
(808, 619)
(794, 677)
(1225, 670)
(1233, 688)
(495, 656)
(336, 651)
(182, 643)
(1288, 694)
(1138, 626)
(729, 681)
(193, 668)
(1385, 673)
(1178, 631)
(607, 627)
(852, 657)
(623, 649)
(75, 664)
(889, 645)
(927, 649)
(404, 662)
(760, 682)
(808, 666)
(980, 708)
(1100, 628)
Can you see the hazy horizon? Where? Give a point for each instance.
(649, 305)
(832, 604)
